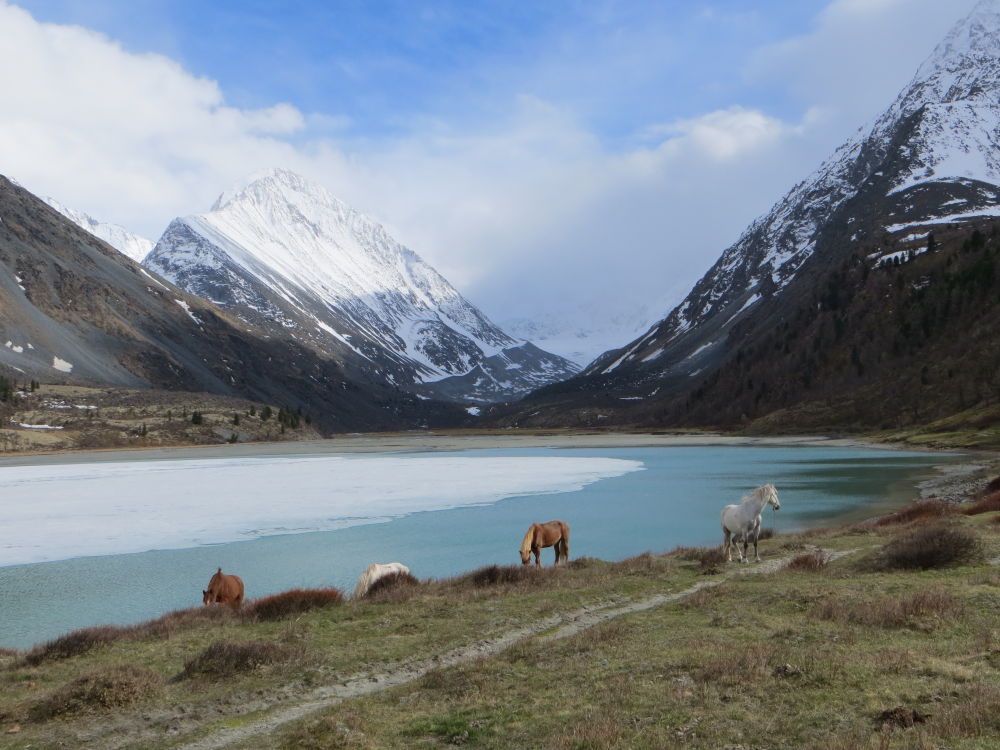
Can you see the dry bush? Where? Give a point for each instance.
(987, 504)
(164, 627)
(703, 598)
(710, 559)
(227, 658)
(918, 511)
(292, 602)
(810, 561)
(925, 548)
(766, 532)
(74, 643)
(582, 563)
(101, 690)
(639, 564)
(595, 733)
(892, 612)
(500, 575)
(393, 588)
(973, 715)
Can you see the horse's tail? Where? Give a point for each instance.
(565, 541)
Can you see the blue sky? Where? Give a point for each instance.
(550, 158)
(378, 65)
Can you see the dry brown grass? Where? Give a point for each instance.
(810, 561)
(500, 575)
(987, 504)
(926, 547)
(750, 662)
(104, 689)
(918, 511)
(892, 612)
(710, 559)
(74, 643)
(78, 642)
(393, 588)
(226, 658)
(291, 603)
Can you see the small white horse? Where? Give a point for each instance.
(374, 572)
(743, 521)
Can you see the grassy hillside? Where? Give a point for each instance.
(887, 638)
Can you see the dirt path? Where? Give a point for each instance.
(392, 675)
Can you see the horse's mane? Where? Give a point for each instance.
(528, 539)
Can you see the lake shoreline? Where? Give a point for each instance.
(957, 481)
(420, 442)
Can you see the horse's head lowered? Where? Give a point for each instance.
(526, 545)
(771, 494)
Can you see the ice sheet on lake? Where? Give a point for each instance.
(62, 511)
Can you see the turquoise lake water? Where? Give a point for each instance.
(674, 501)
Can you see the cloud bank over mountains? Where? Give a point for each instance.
(533, 205)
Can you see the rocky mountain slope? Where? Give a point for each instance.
(930, 164)
(282, 254)
(75, 310)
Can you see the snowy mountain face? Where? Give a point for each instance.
(283, 254)
(583, 333)
(128, 244)
(930, 160)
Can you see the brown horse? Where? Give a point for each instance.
(224, 589)
(551, 534)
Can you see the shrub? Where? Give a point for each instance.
(166, 625)
(918, 511)
(928, 547)
(986, 504)
(710, 559)
(101, 690)
(74, 643)
(293, 602)
(812, 560)
(225, 658)
(395, 587)
(500, 575)
(638, 564)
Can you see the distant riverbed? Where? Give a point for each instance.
(141, 532)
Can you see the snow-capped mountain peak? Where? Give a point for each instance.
(281, 249)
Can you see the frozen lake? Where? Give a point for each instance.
(125, 541)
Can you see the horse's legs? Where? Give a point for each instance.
(755, 552)
(538, 555)
(727, 547)
(746, 543)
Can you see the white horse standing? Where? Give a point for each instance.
(374, 572)
(743, 520)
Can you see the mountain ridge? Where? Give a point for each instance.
(279, 249)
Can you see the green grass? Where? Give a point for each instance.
(805, 658)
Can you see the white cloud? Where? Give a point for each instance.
(858, 56)
(530, 212)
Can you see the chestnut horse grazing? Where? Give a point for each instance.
(224, 589)
(550, 534)
(374, 572)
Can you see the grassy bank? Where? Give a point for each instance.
(847, 652)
